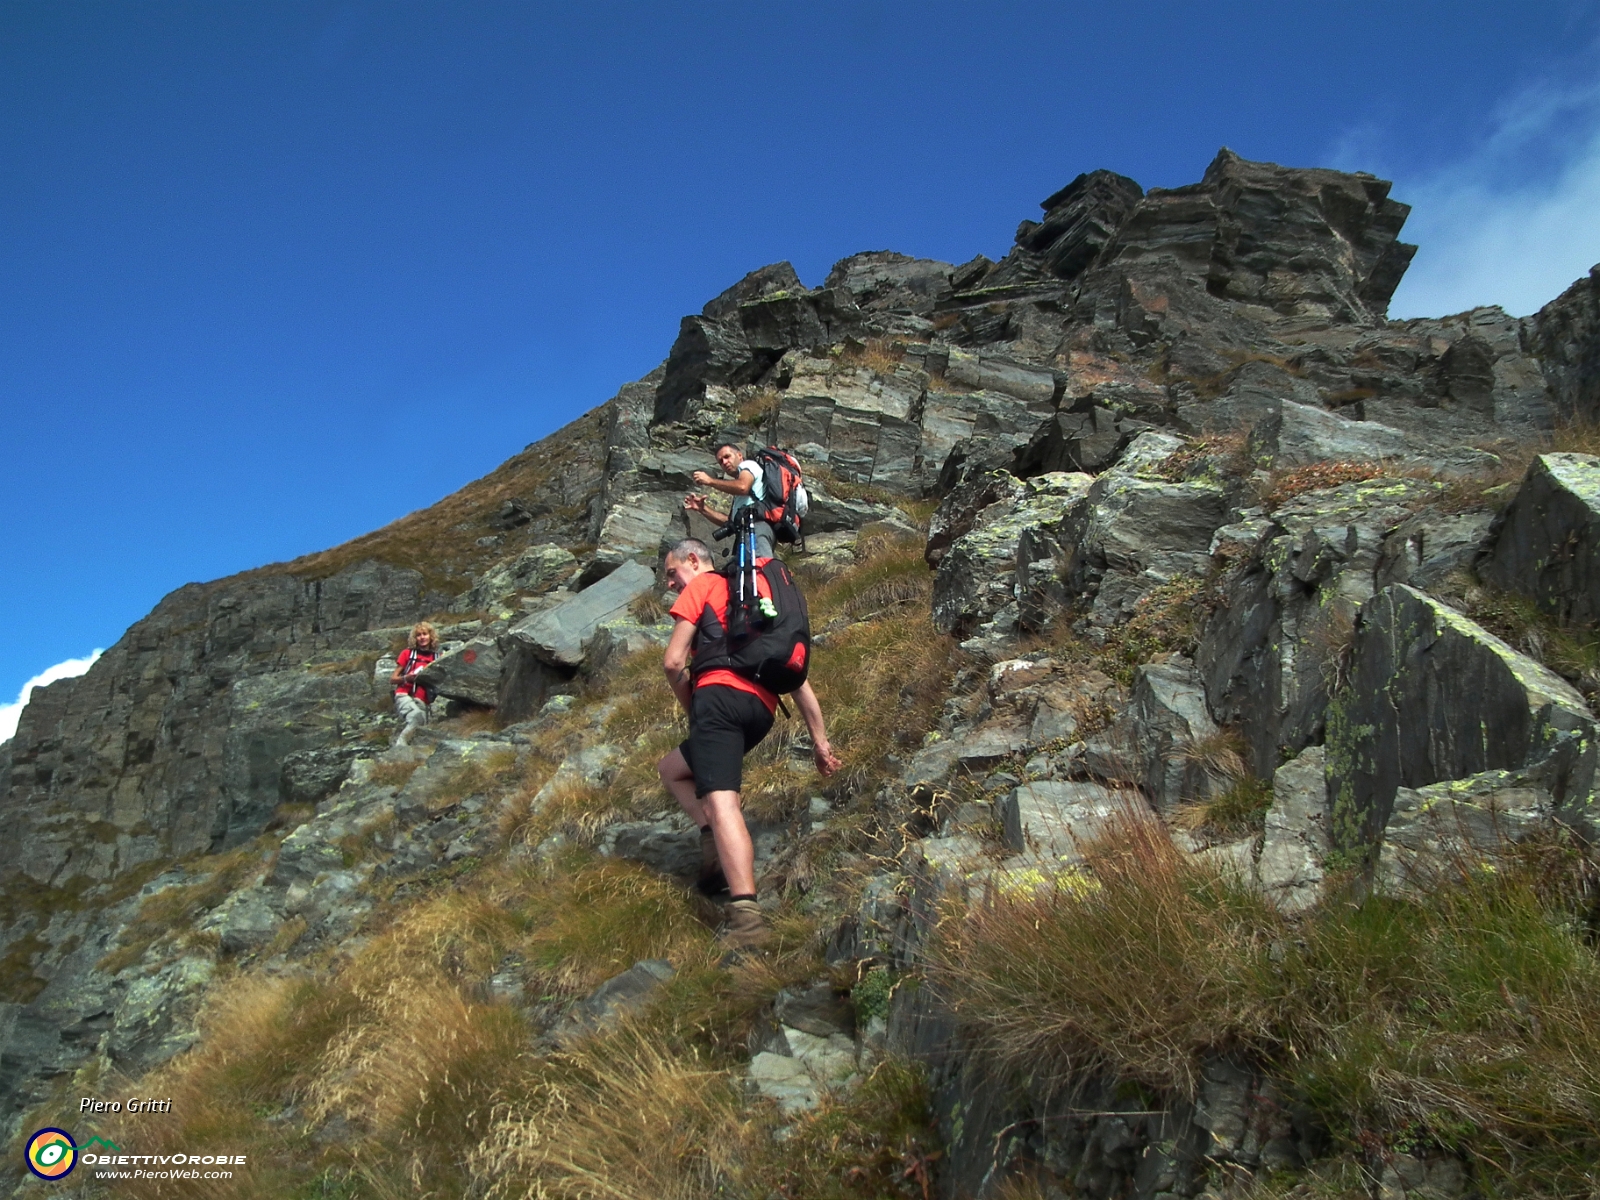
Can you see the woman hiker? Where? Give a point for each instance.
(410, 697)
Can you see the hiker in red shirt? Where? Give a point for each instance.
(410, 697)
(728, 717)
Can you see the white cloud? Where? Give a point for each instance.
(9, 713)
(1515, 222)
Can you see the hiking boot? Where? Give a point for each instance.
(745, 927)
(712, 880)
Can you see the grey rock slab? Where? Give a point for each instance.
(560, 636)
(310, 776)
(1433, 696)
(1295, 842)
(636, 528)
(1424, 550)
(616, 640)
(818, 1010)
(1300, 435)
(245, 920)
(671, 846)
(1549, 546)
(1052, 820)
(984, 372)
(470, 673)
(830, 1059)
(1440, 831)
(1132, 519)
(1269, 654)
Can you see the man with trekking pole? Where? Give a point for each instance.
(744, 484)
(736, 645)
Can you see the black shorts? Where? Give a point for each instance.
(725, 724)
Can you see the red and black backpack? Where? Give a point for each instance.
(771, 650)
(784, 500)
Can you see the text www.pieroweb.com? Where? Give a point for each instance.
(162, 1166)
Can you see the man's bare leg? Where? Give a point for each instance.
(679, 780)
(733, 841)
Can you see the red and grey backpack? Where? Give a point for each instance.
(772, 648)
(784, 500)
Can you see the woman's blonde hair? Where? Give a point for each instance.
(427, 628)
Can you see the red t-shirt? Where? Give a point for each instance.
(711, 588)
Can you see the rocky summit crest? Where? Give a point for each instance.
(1182, 620)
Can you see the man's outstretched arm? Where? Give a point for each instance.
(741, 485)
(811, 713)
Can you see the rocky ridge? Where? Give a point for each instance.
(1194, 510)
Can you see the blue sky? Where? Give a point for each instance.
(273, 274)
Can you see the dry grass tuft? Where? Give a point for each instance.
(394, 774)
(1225, 454)
(622, 1118)
(1145, 974)
(1167, 619)
(759, 408)
(876, 354)
(1284, 486)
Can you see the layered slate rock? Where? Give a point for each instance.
(1079, 221)
(1233, 231)
(977, 577)
(1268, 656)
(1549, 546)
(1433, 696)
(171, 738)
(1165, 733)
(535, 571)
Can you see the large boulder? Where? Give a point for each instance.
(1549, 546)
(1439, 831)
(1433, 696)
(1136, 519)
(543, 651)
(470, 673)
